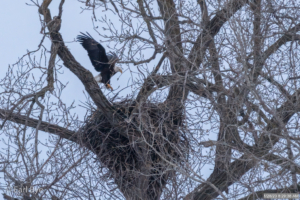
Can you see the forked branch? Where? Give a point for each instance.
(84, 75)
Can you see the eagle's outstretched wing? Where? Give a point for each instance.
(95, 51)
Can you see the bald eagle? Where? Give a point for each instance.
(103, 63)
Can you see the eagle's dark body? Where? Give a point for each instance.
(103, 63)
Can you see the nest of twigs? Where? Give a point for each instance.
(140, 154)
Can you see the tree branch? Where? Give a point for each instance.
(143, 12)
(213, 27)
(282, 162)
(146, 88)
(288, 36)
(44, 126)
(239, 167)
(194, 84)
(84, 75)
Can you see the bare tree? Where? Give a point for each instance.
(224, 93)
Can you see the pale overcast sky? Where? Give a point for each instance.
(21, 32)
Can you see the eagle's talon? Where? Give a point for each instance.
(109, 87)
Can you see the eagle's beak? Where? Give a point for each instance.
(117, 69)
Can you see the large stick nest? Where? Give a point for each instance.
(143, 156)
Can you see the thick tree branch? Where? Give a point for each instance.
(146, 89)
(215, 64)
(143, 12)
(83, 74)
(257, 34)
(239, 167)
(174, 48)
(283, 162)
(204, 11)
(193, 83)
(212, 28)
(287, 37)
(290, 35)
(44, 126)
(278, 85)
(172, 29)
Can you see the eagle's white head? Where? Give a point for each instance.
(98, 78)
(118, 69)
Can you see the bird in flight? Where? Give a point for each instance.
(102, 62)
